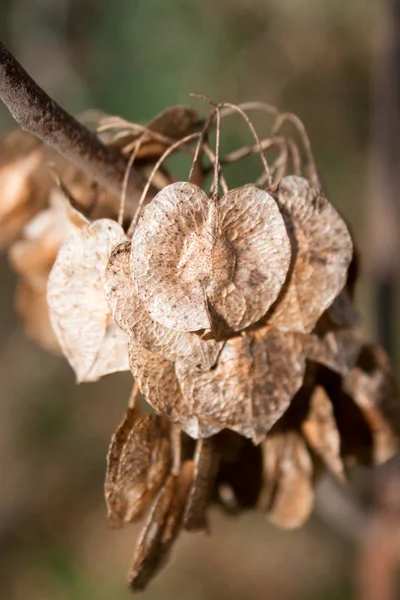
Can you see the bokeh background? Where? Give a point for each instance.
(335, 63)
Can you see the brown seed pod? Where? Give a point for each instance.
(25, 182)
(131, 315)
(321, 253)
(321, 431)
(338, 350)
(91, 341)
(205, 472)
(256, 377)
(193, 256)
(375, 391)
(287, 494)
(138, 463)
(161, 529)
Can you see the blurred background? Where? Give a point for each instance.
(335, 63)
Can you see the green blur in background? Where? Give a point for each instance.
(134, 58)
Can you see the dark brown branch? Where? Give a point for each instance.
(38, 114)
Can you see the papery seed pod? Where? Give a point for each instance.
(161, 528)
(139, 460)
(338, 350)
(321, 431)
(375, 391)
(205, 472)
(131, 315)
(255, 379)
(321, 253)
(287, 494)
(91, 341)
(24, 183)
(193, 256)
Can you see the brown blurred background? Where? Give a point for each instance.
(336, 64)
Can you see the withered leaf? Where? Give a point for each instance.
(131, 315)
(321, 431)
(139, 460)
(256, 377)
(205, 473)
(193, 256)
(321, 253)
(373, 387)
(287, 494)
(91, 341)
(24, 182)
(161, 528)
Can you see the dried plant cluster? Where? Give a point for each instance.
(231, 307)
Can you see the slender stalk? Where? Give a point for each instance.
(41, 116)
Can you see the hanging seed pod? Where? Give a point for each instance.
(161, 528)
(24, 183)
(321, 432)
(131, 315)
(375, 391)
(255, 379)
(193, 256)
(287, 494)
(338, 350)
(205, 472)
(91, 341)
(139, 460)
(321, 254)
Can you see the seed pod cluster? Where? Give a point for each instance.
(233, 311)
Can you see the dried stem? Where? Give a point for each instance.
(38, 114)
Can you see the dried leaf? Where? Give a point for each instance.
(321, 432)
(322, 250)
(161, 528)
(373, 387)
(24, 182)
(139, 460)
(91, 341)
(193, 257)
(288, 493)
(131, 315)
(256, 377)
(205, 473)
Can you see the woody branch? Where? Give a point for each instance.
(41, 116)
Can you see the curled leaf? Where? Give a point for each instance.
(321, 253)
(131, 315)
(255, 379)
(138, 463)
(287, 494)
(91, 341)
(196, 260)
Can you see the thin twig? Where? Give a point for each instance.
(41, 116)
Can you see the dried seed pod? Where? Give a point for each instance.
(287, 493)
(161, 528)
(91, 341)
(321, 432)
(138, 463)
(205, 472)
(131, 315)
(321, 253)
(338, 350)
(24, 183)
(373, 387)
(193, 256)
(256, 377)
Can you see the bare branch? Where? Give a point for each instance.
(38, 114)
